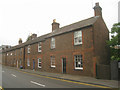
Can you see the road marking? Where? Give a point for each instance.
(13, 75)
(93, 85)
(37, 83)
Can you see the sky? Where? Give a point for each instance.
(20, 18)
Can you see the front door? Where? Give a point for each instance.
(64, 65)
(33, 64)
(17, 63)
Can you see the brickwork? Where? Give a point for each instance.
(101, 35)
(93, 48)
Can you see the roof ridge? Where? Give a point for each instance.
(64, 29)
(79, 21)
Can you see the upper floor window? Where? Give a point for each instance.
(78, 62)
(77, 37)
(28, 49)
(15, 52)
(39, 47)
(39, 63)
(52, 43)
(21, 51)
(52, 61)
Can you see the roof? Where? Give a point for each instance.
(74, 26)
(65, 29)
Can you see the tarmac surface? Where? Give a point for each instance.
(90, 81)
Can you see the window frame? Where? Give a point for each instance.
(77, 36)
(15, 52)
(20, 51)
(39, 63)
(52, 43)
(28, 49)
(40, 47)
(81, 61)
(52, 62)
(28, 62)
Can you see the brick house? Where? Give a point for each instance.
(2, 48)
(72, 49)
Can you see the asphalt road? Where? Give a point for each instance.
(12, 78)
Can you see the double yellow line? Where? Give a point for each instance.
(93, 85)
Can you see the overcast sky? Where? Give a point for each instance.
(19, 18)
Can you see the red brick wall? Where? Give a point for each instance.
(101, 35)
(93, 46)
(65, 48)
(11, 60)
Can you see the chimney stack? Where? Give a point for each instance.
(20, 41)
(55, 25)
(33, 36)
(97, 10)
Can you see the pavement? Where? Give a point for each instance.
(77, 78)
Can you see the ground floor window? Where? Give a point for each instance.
(52, 61)
(28, 62)
(39, 63)
(78, 61)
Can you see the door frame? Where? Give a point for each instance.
(33, 64)
(17, 64)
(63, 66)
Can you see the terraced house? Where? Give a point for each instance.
(72, 49)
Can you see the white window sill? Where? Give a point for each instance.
(40, 51)
(39, 67)
(52, 48)
(53, 66)
(77, 43)
(79, 68)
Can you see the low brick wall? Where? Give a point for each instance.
(103, 71)
(114, 70)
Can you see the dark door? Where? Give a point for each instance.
(64, 65)
(33, 64)
(119, 70)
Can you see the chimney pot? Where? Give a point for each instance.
(97, 4)
(20, 41)
(54, 20)
(34, 36)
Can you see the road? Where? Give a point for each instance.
(12, 78)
